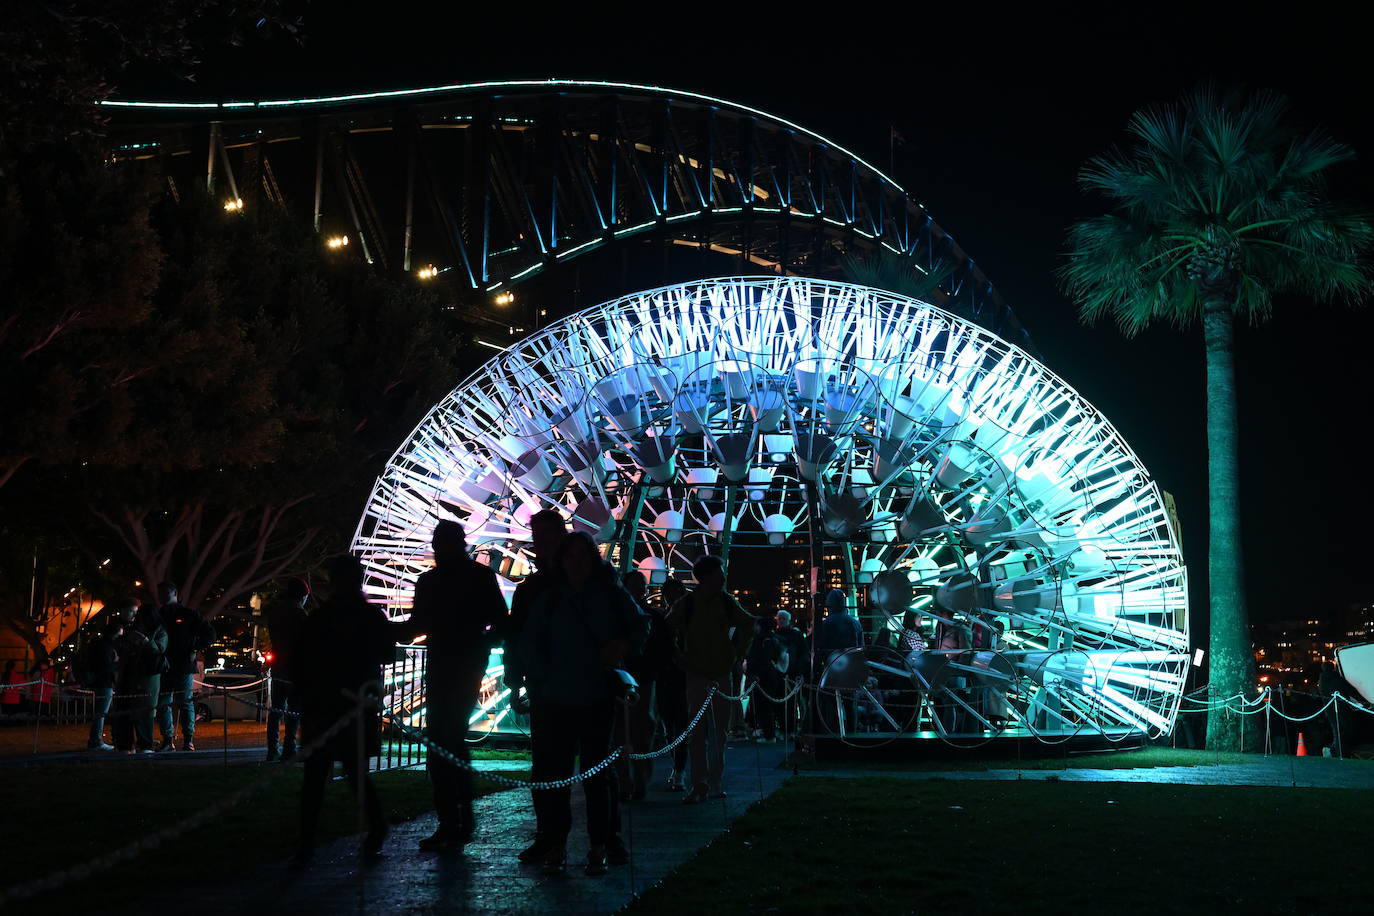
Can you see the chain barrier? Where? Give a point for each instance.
(796, 688)
(506, 781)
(248, 686)
(151, 842)
(452, 758)
(672, 745)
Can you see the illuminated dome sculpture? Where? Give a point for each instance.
(967, 491)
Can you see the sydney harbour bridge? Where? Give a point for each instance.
(1016, 569)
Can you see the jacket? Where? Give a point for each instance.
(560, 650)
(702, 625)
(460, 610)
(187, 634)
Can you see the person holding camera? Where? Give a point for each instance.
(576, 639)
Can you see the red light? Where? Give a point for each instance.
(267, 657)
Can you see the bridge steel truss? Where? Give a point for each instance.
(486, 186)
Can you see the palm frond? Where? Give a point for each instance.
(1220, 175)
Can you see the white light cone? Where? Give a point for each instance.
(956, 466)
(737, 378)
(923, 515)
(984, 531)
(891, 457)
(668, 525)
(572, 423)
(736, 452)
(778, 528)
(882, 533)
(594, 517)
(1017, 596)
(692, 409)
(778, 447)
(658, 458)
(625, 413)
(586, 466)
(868, 569)
(843, 411)
(759, 481)
(810, 376)
(814, 452)
(717, 525)
(701, 481)
(654, 569)
(767, 406)
(533, 470)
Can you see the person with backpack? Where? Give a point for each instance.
(578, 633)
(713, 633)
(670, 693)
(187, 634)
(142, 655)
(99, 666)
(765, 666)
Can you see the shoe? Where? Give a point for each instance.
(288, 752)
(536, 852)
(188, 746)
(444, 839)
(616, 853)
(596, 862)
(694, 797)
(271, 754)
(555, 860)
(717, 794)
(675, 782)
(164, 745)
(102, 746)
(372, 843)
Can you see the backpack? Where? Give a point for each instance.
(781, 660)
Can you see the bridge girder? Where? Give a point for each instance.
(493, 184)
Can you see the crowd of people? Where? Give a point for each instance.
(577, 639)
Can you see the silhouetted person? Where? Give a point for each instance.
(577, 632)
(765, 667)
(671, 694)
(703, 622)
(646, 667)
(285, 624)
(838, 631)
(343, 646)
(547, 532)
(101, 667)
(143, 657)
(459, 608)
(187, 634)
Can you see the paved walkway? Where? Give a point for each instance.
(486, 877)
(1285, 772)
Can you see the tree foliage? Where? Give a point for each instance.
(1220, 197)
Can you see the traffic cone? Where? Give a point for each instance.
(1302, 746)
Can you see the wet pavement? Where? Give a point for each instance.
(486, 877)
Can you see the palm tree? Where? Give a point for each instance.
(1218, 207)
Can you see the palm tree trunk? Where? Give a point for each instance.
(1231, 663)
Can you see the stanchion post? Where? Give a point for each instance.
(224, 720)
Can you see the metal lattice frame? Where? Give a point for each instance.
(492, 184)
(771, 411)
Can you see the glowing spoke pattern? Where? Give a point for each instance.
(767, 411)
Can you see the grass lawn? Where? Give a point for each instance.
(58, 815)
(875, 845)
(1118, 760)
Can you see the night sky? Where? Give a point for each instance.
(998, 115)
